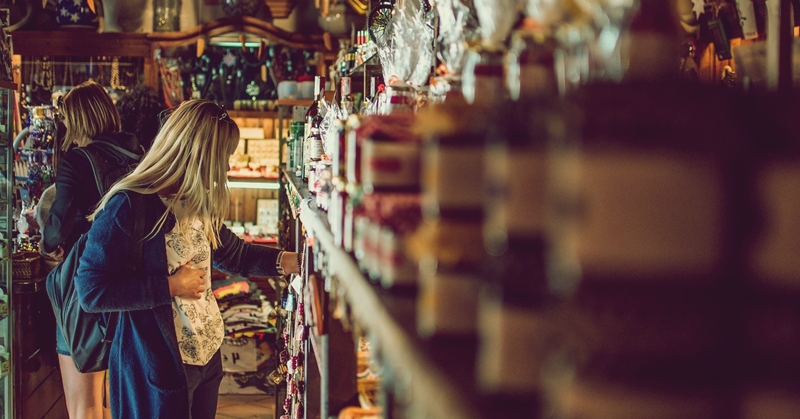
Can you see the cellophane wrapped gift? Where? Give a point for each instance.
(457, 27)
(408, 56)
(497, 18)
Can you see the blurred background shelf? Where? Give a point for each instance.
(439, 376)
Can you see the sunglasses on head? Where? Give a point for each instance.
(59, 113)
(223, 115)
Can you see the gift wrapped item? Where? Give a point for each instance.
(389, 153)
(389, 220)
(408, 56)
(457, 27)
(497, 18)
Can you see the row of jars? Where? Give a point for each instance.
(630, 246)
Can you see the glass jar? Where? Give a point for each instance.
(401, 98)
(482, 81)
(531, 70)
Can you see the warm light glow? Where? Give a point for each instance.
(235, 44)
(268, 184)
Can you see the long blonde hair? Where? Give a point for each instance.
(88, 112)
(189, 162)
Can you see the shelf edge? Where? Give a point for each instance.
(436, 394)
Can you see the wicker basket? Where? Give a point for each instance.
(25, 265)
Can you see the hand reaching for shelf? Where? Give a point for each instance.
(290, 262)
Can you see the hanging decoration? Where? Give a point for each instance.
(240, 7)
(5, 46)
(75, 14)
(698, 8)
(171, 82)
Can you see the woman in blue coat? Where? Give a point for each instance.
(165, 361)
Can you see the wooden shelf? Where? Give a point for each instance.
(8, 85)
(295, 187)
(368, 63)
(439, 390)
(254, 114)
(246, 24)
(91, 44)
(294, 102)
(254, 183)
(81, 43)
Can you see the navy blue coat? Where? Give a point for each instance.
(147, 380)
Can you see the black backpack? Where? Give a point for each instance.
(89, 335)
(108, 163)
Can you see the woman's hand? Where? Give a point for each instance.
(289, 263)
(30, 217)
(187, 282)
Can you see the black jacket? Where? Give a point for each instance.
(76, 191)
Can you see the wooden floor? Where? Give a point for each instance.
(232, 406)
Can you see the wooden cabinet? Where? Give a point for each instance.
(38, 392)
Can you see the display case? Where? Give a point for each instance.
(7, 90)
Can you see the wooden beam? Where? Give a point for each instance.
(80, 44)
(245, 24)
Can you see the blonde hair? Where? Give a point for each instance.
(189, 162)
(88, 112)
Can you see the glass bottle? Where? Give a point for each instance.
(312, 145)
(482, 80)
(347, 97)
(531, 69)
(516, 296)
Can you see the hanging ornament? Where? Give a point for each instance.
(252, 89)
(114, 82)
(699, 6)
(201, 47)
(229, 59)
(728, 77)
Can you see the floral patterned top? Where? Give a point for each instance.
(198, 323)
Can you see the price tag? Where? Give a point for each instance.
(747, 18)
(239, 355)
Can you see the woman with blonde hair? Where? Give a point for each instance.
(92, 123)
(165, 360)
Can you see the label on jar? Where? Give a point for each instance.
(649, 214)
(512, 348)
(517, 191)
(537, 80)
(387, 164)
(397, 270)
(360, 225)
(773, 258)
(447, 304)
(372, 249)
(601, 400)
(489, 84)
(453, 177)
(334, 216)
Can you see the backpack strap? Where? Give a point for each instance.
(135, 259)
(117, 149)
(89, 155)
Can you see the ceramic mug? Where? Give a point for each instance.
(287, 89)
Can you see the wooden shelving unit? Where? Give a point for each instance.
(438, 376)
(254, 114)
(294, 102)
(88, 43)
